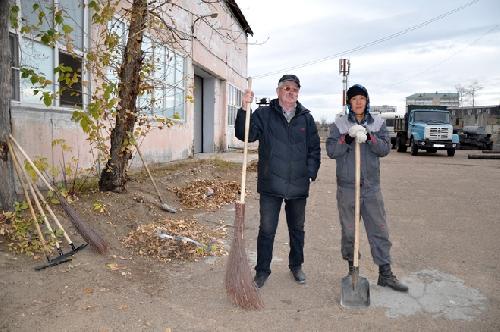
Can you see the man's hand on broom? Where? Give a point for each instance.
(247, 99)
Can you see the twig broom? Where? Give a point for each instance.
(239, 284)
(88, 234)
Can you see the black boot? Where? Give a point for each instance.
(387, 279)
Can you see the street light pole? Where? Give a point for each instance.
(212, 15)
(344, 67)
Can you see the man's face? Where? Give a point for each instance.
(288, 92)
(358, 104)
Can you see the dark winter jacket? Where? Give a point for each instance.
(289, 153)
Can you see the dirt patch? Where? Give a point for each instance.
(176, 239)
(133, 221)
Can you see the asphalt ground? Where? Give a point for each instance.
(444, 220)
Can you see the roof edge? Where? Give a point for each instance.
(233, 6)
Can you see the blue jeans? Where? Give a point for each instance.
(270, 207)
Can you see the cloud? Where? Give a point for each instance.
(456, 49)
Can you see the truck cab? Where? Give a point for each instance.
(426, 129)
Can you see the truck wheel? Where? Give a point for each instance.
(414, 148)
(450, 152)
(400, 145)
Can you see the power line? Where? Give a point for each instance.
(371, 43)
(425, 71)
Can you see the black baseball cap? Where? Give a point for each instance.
(291, 78)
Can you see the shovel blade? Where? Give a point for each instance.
(355, 295)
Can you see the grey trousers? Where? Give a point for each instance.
(373, 215)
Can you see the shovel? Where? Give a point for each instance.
(356, 289)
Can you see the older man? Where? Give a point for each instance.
(289, 159)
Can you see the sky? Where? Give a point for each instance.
(396, 48)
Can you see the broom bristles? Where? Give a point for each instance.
(239, 283)
(88, 234)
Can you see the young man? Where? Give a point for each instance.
(369, 130)
(289, 159)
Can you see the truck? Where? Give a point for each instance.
(389, 124)
(425, 128)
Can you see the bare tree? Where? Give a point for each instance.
(462, 93)
(473, 88)
(113, 175)
(7, 188)
(469, 91)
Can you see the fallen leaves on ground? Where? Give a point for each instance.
(146, 240)
(207, 194)
(253, 165)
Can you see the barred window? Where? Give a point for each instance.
(42, 58)
(167, 96)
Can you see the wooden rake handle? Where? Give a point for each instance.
(245, 146)
(37, 171)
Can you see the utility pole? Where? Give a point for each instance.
(344, 67)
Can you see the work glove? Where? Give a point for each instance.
(361, 137)
(354, 130)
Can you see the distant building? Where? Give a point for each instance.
(383, 109)
(449, 99)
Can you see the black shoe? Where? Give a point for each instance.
(387, 279)
(260, 279)
(299, 275)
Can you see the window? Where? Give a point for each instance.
(73, 16)
(234, 97)
(30, 16)
(168, 79)
(71, 94)
(169, 83)
(14, 64)
(42, 59)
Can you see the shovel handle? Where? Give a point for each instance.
(245, 146)
(357, 202)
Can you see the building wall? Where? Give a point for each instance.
(433, 99)
(36, 126)
(383, 109)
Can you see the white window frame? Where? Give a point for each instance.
(23, 42)
(234, 97)
(157, 107)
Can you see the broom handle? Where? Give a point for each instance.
(37, 202)
(357, 194)
(149, 173)
(245, 146)
(17, 168)
(52, 214)
(31, 163)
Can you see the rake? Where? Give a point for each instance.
(88, 234)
